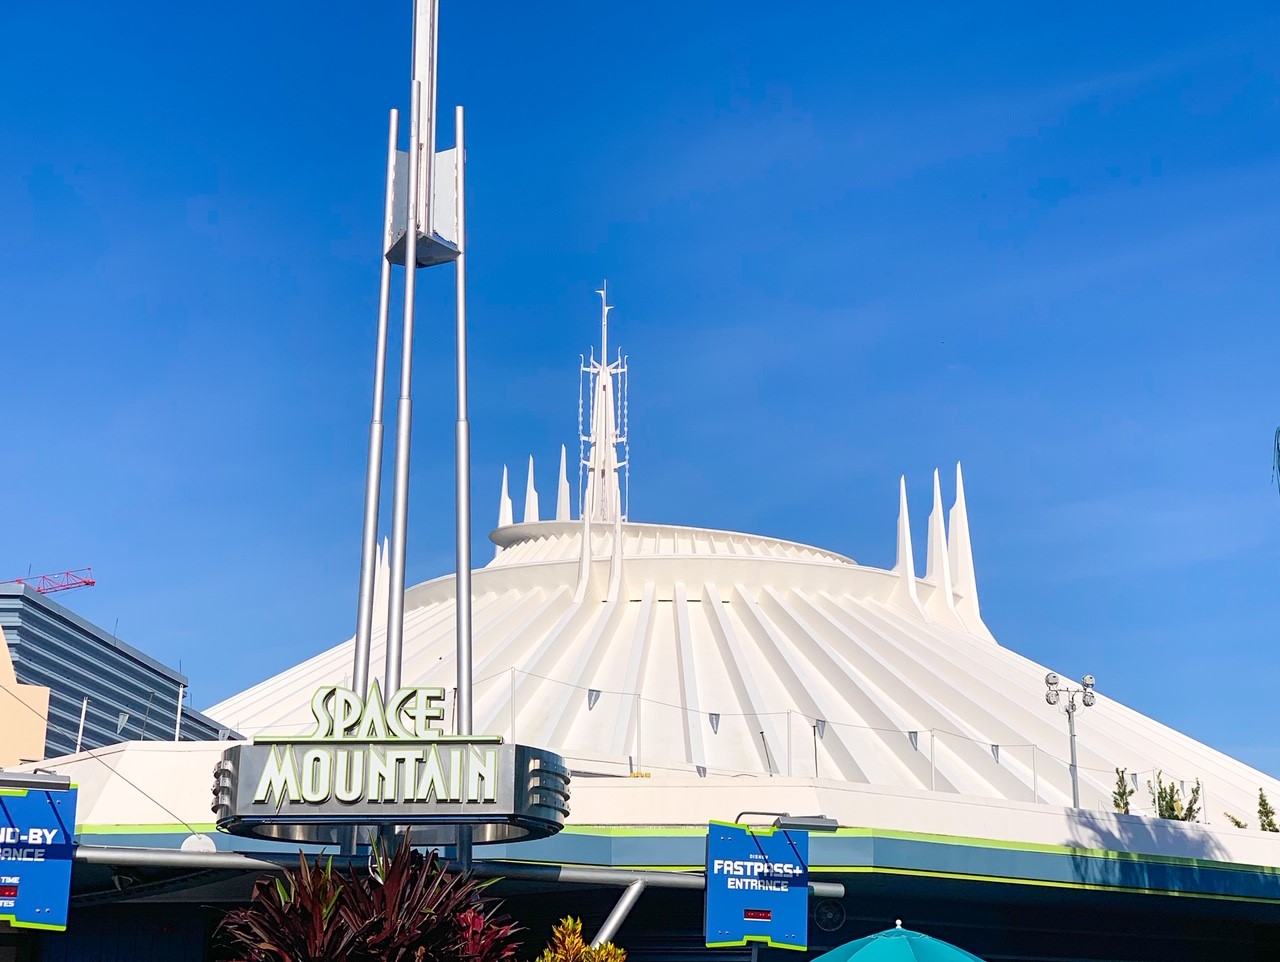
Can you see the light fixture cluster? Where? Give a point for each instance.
(1056, 690)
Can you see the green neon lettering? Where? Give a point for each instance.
(482, 785)
(279, 777)
(349, 776)
(346, 711)
(455, 775)
(317, 774)
(431, 781)
(425, 710)
(320, 709)
(373, 720)
(395, 714)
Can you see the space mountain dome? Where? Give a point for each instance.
(634, 648)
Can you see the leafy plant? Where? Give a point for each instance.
(1266, 814)
(567, 945)
(1167, 800)
(1237, 822)
(486, 936)
(1123, 792)
(406, 908)
(294, 919)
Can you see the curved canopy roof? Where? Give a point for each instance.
(643, 648)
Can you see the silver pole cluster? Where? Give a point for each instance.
(414, 171)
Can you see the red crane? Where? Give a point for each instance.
(59, 581)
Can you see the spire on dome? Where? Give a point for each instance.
(530, 496)
(961, 551)
(904, 592)
(504, 502)
(937, 568)
(603, 499)
(562, 489)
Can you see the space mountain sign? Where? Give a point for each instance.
(377, 762)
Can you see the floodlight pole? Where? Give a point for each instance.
(1053, 694)
(1075, 769)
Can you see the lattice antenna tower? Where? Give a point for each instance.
(585, 382)
(604, 473)
(624, 391)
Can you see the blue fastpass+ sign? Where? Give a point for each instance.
(37, 828)
(757, 886)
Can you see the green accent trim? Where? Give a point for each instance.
(1047, 848)
(1056, 849)
(1044, 883)
(762, 939)
(357, 742)
(750, 829)
(12, 920)
(155, 829)
(624, 831)
(24, 791)
(700, 867)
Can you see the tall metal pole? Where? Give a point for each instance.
(462, 441)
(404, 410)
(462, 472)
(1075, 773)
(373, 471)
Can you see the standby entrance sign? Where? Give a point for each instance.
(757, 886)
(37, 836)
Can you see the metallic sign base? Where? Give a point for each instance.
(315, 792)
(420, 834)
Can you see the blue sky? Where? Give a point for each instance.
(845, 242)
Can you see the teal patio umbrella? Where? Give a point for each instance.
(898, 945)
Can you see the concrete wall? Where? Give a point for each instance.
(24, 713)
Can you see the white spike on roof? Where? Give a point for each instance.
(504, 502)
(936, 568)
(961, 552)
(562, 488)
(530, 497)
(941, 603)
(904, 591)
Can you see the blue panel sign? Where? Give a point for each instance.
(757, 886)
(37, 829)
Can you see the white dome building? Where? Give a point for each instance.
(667, 650)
